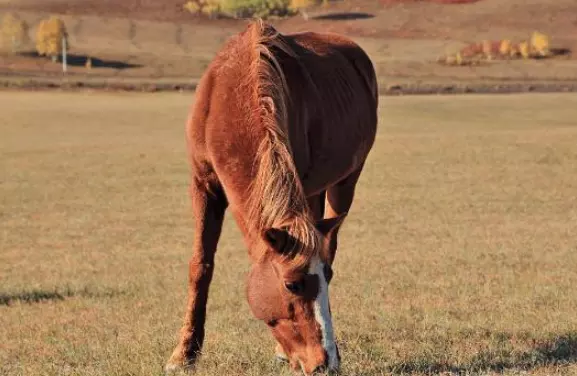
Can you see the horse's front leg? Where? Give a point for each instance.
(208, 208)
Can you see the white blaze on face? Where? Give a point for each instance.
(323, 315)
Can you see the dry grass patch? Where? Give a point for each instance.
(459, 255)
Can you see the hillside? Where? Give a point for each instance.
(159, 40)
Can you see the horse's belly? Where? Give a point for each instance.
(322, 180)
(333, 166)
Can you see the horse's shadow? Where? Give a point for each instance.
(560, 351)
(555, 52)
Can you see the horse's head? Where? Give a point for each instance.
(291, 296)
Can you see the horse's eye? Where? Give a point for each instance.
(296, 287)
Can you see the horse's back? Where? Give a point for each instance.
(332, 102)
(335, 46)
(336, 97)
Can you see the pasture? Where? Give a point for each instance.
(459, 254)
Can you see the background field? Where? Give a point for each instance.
(459, 254)
(139, 42)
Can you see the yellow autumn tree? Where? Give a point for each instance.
(210, 8)
(505, 48)
(302, 6)
(486, 46)
(14, 32)
(540, 43)
(50, 36)
(524, 49)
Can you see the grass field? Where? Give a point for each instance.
(459, 255)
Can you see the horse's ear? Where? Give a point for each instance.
(278, 239)
(327, 225)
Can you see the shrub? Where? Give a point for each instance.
(505, 47)
(49, 37)
(240, 8)
(514, 52)
(537, 46)
(210, 8)
(250, 8)
(458, 60)
(14, 32)
(524, 50)
(487, 49)
(302, 6)
(540, 43)
(258, 8)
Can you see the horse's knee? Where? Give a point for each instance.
(199, 272)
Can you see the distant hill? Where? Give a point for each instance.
(157, 10)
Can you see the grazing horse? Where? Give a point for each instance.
(279, 132)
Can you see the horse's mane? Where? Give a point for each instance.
(277, 197)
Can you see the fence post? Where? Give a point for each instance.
(64, 60)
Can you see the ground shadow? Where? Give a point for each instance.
(32, 296)
(554, 52)
(75, 60)
(80, 60)
(343, 16)
(561, 350)
(40, 295)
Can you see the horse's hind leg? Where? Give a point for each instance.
(208, 208)
(338, 201)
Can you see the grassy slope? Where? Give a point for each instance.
(459, 252)
(403, 41)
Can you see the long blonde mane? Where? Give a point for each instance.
(277, 198)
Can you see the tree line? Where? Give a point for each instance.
(251, 8)
(51, 37)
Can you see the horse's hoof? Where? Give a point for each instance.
(171, 368)
(178, 363)
(281, 359)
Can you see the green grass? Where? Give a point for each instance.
(459, 253)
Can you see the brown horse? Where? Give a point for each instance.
(279, 131)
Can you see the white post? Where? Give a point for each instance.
(64, 65)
